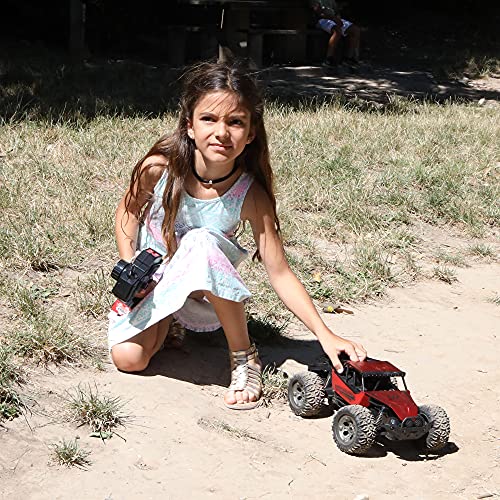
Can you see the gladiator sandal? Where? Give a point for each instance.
(245, 376)
(175, 336)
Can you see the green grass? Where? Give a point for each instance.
(70, 454)
(482, 250)
(11, 377)
(40, 332)
(102, 413)
(453, 259)
(93, 295)
(444, 273)
(48, 340)
(482, 66)
(354, 181)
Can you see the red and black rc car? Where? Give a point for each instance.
(371, 400)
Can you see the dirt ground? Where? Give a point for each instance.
(182, 443)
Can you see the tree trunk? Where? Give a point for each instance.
(77, 30)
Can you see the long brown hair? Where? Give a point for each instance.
(178, 149)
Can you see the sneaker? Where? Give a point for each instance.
(328, 64)
(350, 61)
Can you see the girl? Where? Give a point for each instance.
(186, 199)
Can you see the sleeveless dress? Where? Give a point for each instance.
(206, 259)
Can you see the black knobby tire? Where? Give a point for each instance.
(306, 392)
(354, 429)
(438, 436)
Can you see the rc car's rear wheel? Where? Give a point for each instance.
(306, 393)
(440, 427)
(354, 429)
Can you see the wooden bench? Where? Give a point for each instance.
(244, 27)
(295, 50)
(179, 38)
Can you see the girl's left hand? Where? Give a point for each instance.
(147, 290)
(333, 345)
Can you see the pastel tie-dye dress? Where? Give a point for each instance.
(206, 259)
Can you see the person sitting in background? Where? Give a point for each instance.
(329, 20)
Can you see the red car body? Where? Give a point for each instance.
(399, 401)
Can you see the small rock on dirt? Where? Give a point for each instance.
(291, 367)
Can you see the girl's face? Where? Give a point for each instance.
(220, 128)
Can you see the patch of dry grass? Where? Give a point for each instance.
(275, 385)
(11, 378)
(39, 331)
(222, 427)
(102, 413)
(444, 273)
(483, 250)
(70, 454)
(495, 299)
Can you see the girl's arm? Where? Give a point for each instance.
(257, 209)
(127, 222)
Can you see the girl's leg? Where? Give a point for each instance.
(353, 36)
(233, 320)
(134, 354)
(331, 52)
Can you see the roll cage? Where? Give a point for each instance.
(372, 380)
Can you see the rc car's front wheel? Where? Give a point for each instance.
(306, 394)
(440, 427)
(354, 429)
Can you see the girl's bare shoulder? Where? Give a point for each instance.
(257, 203)
(153, 167)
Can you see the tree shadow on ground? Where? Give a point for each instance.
(40, 84)
(367, 87)
(37, 83)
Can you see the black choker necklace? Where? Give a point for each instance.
(214, 181)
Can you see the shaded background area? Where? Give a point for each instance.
(126, 72)
(445, 32)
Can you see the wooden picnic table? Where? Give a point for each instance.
(245, 24)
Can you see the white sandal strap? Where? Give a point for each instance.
(245, 376)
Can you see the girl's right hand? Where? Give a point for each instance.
(333, 345)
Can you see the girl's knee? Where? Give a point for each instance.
(129, 357)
